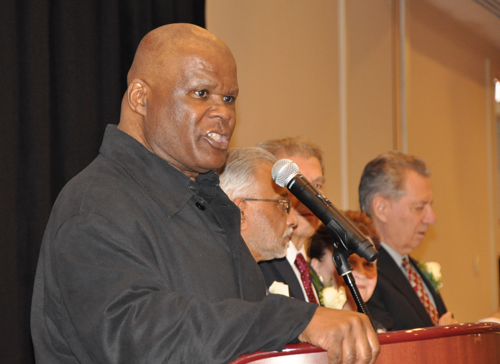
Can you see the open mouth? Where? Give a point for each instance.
(218, 140)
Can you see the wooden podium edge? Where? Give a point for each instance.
(385, 338)
(438, 332)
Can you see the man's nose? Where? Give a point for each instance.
(291, 219)
(430, 217)
(221, 109)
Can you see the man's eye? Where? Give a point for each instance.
(201, 93)
(319, 186)
(229, 99)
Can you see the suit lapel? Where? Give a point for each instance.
(288, 275)
(394, 275)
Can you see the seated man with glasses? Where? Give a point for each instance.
(266, 221)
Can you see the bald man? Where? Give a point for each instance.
(142, 260)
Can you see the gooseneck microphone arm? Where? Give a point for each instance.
(347, 237)
(344, 269)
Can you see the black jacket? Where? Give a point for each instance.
(140, 264)
(394, 302)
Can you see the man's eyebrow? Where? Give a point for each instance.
(422, 202)
(320, 179)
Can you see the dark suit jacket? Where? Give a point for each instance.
(280, 270)
(394, 302)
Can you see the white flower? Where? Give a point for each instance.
(333, 298)
(434, 268)
(279, 288)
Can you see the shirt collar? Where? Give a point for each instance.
(291, 253)
(398, 258)
(167, 185)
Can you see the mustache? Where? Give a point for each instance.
(288, 232)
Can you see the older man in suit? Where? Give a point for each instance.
(395, 191)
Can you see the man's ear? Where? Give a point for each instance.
(381, 207)
(241, 205)
(136, 96)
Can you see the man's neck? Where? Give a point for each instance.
(298, 241)
(380, 228)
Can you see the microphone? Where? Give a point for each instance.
(286, 173)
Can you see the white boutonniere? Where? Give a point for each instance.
(334, 298)
(432, 271)
(279, 288)
(328, 296)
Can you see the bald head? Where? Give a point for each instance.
(180, 100)
(163, 46)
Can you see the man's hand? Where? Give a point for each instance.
(447, 319)
(347, 336)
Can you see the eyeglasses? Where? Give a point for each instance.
(286, 203)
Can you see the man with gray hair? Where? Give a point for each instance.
(395, 191)
(266, 221)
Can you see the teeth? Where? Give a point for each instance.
(215, 136)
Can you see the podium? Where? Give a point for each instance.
(468, 343)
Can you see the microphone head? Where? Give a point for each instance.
(283, 171)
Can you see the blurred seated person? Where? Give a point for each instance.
(494, 317)
(395, 191)
(294, 270)
(363, 271)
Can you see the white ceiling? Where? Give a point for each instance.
(481, 16)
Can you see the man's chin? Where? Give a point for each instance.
(304, 231)
(280, 256)
(282, 253)
(211, 165)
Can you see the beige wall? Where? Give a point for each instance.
(449, 126)
(287, 71)
(329, 70)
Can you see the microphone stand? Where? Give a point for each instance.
(344, 269)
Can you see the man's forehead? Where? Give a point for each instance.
(201, 66)
(170, 51)
(416, 183)
(265, 180)
(308, 166)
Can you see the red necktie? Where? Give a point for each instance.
(418, 287)
(301, 263)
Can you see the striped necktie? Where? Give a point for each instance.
(418, 287)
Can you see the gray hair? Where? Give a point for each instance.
(385, 176)
(237, 177)
(291, 146)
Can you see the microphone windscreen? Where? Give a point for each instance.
(283, 171)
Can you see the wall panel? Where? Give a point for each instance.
(288, 64)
